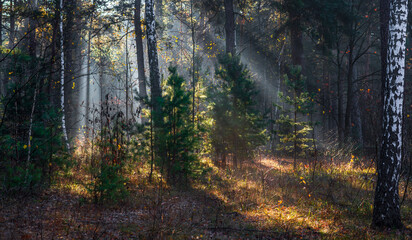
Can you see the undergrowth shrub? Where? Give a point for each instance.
(31, 146)
(108, 160)
(108, 183)
(179, 130)
(294, 126)
(237, 130)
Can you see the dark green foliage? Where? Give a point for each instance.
(179, 135)
(31, 150)
(238, 126)
(182, 161)
(319, 18)
(109, 183)
(47, 154)
(142, 133)
(141, 143)
(107, 163)
(294, 127)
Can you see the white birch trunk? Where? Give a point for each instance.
(62, 77)
(386, 212)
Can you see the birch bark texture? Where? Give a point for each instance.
(62, 69)
(394, 14)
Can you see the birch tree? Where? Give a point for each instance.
(62, 75)
(386, 212)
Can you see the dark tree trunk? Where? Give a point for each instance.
(52, 93)
(340, 92)
(31, 29)
(140, 52)
(12, 33)
(12, 23)
(230, 27)
(72, 67)
(349, 92)
(296, 38)
(357, 133)
(88, 77)
(192, 25)
(153, 58)
(2, 81)
(127, 85)
(340, 100)
(386, 212)
(1, 22)
(156, 91)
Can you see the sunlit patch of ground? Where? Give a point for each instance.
(265, 199)
(334, 202)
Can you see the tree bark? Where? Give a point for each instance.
(127, 74)
(140, 53)
(12, 23)
(386, 212)
(349, 92)
(12, 33)
(152, 54)
(296, 38)
(52, 94)
(32, 25)
(1, 22)
(192, 25)
(357, 134)
(156, 91)
(339, 92)
(88, 77)
(230, 28)
(2, 81)
(62, 63)
(72, 68)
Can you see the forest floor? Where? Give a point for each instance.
(265, 199)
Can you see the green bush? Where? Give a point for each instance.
(238, 128)
(294, 126)
(182, 161)
(109, 184)
(108, 160)
(18, 172)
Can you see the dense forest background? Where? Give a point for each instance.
(190, 119)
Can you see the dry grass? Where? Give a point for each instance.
(336, 203)
(263, 200)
